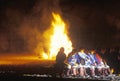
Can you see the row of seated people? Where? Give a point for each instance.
(86, 63)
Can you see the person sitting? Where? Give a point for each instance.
(82, 70)
(71, 62)
(91, 56)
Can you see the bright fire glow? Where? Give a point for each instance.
(58, 38)
(112, 70)
(45, 56)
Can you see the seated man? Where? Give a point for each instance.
(106, 69)
(91, 63)
(72, 64)
(102, 68)
(82, 69)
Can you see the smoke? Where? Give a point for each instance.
(26, 29)
(10, 23)
(25, 25)
(35, 29)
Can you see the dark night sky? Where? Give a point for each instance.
(92, 23)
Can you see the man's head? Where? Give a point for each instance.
(62, 49)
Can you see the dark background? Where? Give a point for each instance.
(92, 23)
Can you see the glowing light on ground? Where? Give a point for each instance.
(27, 59)
(45, 56)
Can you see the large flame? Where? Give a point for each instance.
(59, 37)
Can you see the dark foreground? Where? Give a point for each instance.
(36, 72)
(31, 78)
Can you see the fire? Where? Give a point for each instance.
(45, 56)
(59, 37)
(112, 70)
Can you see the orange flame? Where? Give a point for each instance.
(59, 37)
(112, 70)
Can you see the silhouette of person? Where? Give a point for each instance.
(60, 58)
